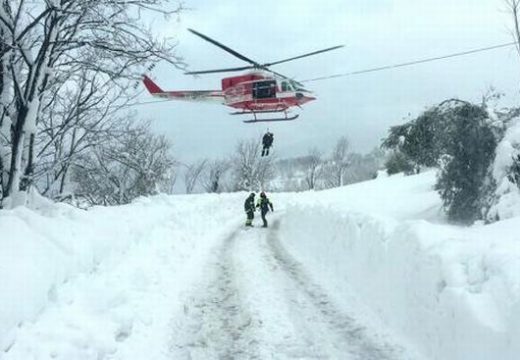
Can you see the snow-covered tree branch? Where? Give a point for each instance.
(45, 43)
(132, 162)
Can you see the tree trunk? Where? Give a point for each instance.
(27, 178)
(67, 164)
(13, 181)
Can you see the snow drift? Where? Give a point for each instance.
(77, 283)
(102, 272)
(454, 292)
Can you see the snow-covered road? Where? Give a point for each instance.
(229, 292)
(349, 273)
(256, 302)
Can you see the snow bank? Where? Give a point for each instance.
(453, 292)
(49, 254)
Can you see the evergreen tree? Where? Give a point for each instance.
(469, 144)
(458, 137)
(418, 140)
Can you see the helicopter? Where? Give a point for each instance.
(258, 91)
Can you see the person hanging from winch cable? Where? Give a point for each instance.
(267, 142)
(249, 208)
(265, 205)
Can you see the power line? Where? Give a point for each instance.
(381, 68)
(128, 105)
(141, 103)
(410, 63)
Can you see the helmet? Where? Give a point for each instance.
(252, 194)
(262, 194)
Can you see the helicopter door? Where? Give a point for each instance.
(264, 89)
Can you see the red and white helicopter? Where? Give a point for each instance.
(259, 91)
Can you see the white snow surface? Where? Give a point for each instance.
(367, 271)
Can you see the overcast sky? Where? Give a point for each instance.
(361, 107)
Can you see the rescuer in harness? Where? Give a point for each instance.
(267, 142)
(265, 205)
(249, 208)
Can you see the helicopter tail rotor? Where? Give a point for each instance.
(151, 86)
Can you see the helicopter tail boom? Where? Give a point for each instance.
(185, 95)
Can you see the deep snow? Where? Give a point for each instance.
(454, 292)
(366, 271)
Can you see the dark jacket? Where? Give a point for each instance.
(267, 140)
(264, 204)
(249, 204)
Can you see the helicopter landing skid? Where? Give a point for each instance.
(271, 120)
(256, 119)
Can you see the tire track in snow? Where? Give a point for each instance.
(317, 316)
(257, 302)
(216, 323)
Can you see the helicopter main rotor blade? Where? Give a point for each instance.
(302, 56)
(284, 77)
(219, 70)
(225, 48)
(276, 73)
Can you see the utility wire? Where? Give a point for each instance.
(410, 63)
(381, 68)
(127, 105)
(141, 103)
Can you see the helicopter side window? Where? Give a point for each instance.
(264, 89)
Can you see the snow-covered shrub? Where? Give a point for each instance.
(398, 162)
(505, 201)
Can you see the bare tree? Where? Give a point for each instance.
(192, 174)
(214, 174)
(133, 162)
(312, 164)
(72, 121)
(514, 8)
(335, 171)
(251, 171)
(45, 41)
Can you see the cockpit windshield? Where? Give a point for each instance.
(291, 85)
(286, 86)
(297, 86)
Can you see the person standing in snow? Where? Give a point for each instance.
(249, 208)
(267, 142)
(265, 205)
